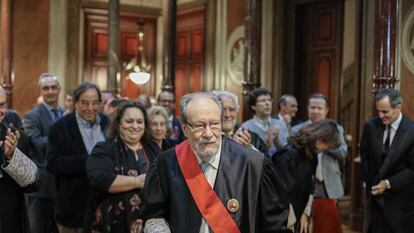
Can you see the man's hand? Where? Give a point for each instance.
(379, 188)
(287, 118)
(10, 143)
(243, 137)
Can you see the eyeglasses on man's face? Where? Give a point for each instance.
(50, 88)
(202, 127)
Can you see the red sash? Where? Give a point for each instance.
(210, 206)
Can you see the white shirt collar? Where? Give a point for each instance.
(394, 125)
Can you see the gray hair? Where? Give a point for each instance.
(222, 94)
(157, 110)
(47, 76)
(186, 99)
(394, 95)
(284, 98)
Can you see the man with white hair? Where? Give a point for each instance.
(209, 183)
(231, 128)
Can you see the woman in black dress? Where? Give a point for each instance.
(296, 163)
(116, 171)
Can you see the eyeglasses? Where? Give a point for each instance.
(87, 103)
(50, 88)
(202, 127)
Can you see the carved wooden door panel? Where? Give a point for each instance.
(314, 48)
(190, 53)
(323, 50)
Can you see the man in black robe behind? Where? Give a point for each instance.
(245, 182)
(18, 174)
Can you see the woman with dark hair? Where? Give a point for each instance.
(116, 171)
(296, 164)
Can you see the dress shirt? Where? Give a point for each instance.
(91, 132)
(393, 127)
(210, 173)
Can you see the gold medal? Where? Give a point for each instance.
(233, 205)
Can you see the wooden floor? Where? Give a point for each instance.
(345, 229)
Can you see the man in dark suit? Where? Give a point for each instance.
(37, 123)
(18, 174)
(167, 100)
(387, 153)
(211, 182)
(70, 141)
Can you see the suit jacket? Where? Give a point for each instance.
(13, 216)
(330, 164)
(66, 159)
(36, 126)
(243, 174)
(397, 203)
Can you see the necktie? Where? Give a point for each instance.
(56, 114)
(318, 173)
(204, 167)
(388, 139)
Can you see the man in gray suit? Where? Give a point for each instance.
(37, 123)
(328, 184)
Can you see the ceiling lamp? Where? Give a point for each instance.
(138, 68)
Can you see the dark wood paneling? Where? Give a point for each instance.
(326, 34)
(195, 72)
(190, 53)
(100, 44)
(129, 45)
(182, 44)
(324, 70)
(30, 50)
(197, 42)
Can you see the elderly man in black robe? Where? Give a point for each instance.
(18, 173)
(210, 183)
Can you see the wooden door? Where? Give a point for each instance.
(190, 53)
(315, 51)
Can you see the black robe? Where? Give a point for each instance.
(297, 171)
(13, 215)
(243, 174)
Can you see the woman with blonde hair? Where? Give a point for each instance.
(158, 127)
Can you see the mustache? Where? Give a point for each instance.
(207, 141)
